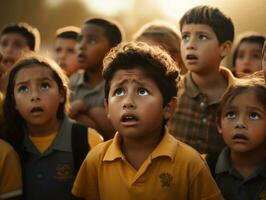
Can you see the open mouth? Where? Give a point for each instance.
(191, 57)
(36, 110)
(129, 120)
(240, 137)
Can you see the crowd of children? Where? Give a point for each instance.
(154, 118)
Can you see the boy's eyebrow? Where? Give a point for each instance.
(119, 83)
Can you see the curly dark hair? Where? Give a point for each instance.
(155, 63)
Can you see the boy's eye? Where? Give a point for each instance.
(17, 44)
(92, 41)
(143, 92)
(203, 37)
(254, 115)
(230, 115)
(256, 56)
(185, 37)
(119, 92)
(23, 89)
(45, 86)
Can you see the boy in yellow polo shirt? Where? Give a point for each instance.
(142, 161)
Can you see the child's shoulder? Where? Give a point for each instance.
(5, 147)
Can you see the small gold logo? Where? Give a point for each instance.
(166, 179)
(63, 172)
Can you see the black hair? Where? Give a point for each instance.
(30, 33)
(213, 17)
(113, 31)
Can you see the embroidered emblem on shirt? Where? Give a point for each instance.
(166, 179)
(63, 172)
(263, 195)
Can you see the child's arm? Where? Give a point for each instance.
(103, 124)
(10, 174)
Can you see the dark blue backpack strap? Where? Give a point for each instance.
(211, 161)
(80, 146)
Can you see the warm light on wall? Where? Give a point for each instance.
(109, 7)
(176, 8)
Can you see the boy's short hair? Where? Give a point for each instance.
(113, 30)
(162, 32)
(213, 17)
(155, 63)
(68, 32)
(250, 38)
(252, 83)
(30, 33)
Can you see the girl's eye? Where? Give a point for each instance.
(119, 92)
(45, 86)
(143, 92)
(254, 115)
(230, 115)
(203, 37)
(23, 89)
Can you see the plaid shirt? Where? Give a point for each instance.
(194, 121)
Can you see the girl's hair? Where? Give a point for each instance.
(254, 83)
(14, 123)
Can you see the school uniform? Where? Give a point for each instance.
(50, 175)
(172, 171)
(233, 186)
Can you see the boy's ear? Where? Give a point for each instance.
(106, 108)
(169, 108)
(219, 127)
(225, 48)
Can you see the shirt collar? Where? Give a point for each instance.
(223, 163)
(166, 147)
(62, 141)
(193, 90)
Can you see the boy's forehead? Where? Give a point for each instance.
(197, 27)
(92, 29)
(13, 36)
(134, 74)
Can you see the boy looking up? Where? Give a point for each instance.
(143, 161)
(207, 36)
(97, 37)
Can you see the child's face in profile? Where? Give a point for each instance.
(248, 58)
(200, 48)
(93, 45)
(12, 46)
(135, 104)
(243, 124)
(37, 96)
(66, 55)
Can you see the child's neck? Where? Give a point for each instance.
(137, 151)
(212, 84)
(246, 163)
(42, 131)
(94, 78)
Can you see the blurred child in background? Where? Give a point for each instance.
(247, 56)
(15, 40)
(97, 37)
(164, 35)
(65, 49)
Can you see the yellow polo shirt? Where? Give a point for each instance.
(10, 172)
(172, 171)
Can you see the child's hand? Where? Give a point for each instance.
(77, 107)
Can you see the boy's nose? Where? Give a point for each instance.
(129, 103)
